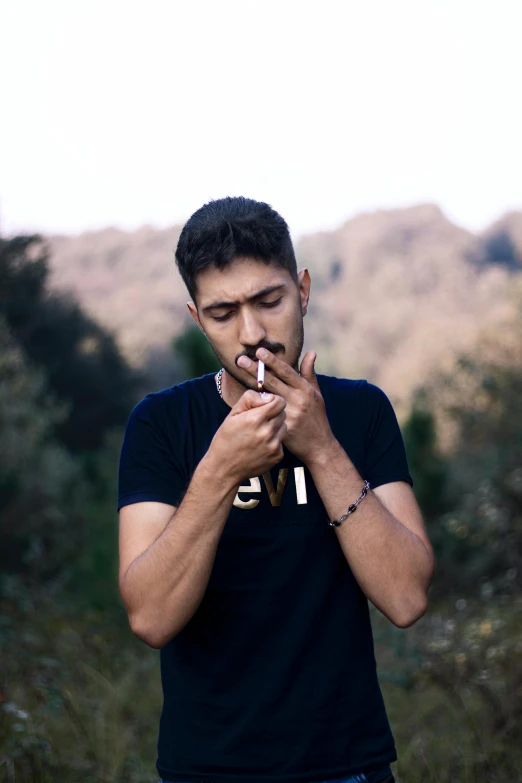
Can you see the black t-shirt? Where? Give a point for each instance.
(273, 679)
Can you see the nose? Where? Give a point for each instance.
(251, 331)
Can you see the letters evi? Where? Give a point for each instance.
(275, 495)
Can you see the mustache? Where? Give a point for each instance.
(251, 352)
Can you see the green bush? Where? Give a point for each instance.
(43, 492)
(81, 696)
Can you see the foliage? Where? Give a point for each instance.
(195, 353)
(478, 536)
(81, 361)
(454, 682)
(429, 469)
(499, 248)
(452, 686)
(79, 695)
(93, 580)
(42, 489)
(453, 689)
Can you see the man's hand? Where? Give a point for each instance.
(248, 443)
(308, 429)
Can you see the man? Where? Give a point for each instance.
(228, 562)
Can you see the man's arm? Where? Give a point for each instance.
(167, 554)
(163, 586)
(384, 540)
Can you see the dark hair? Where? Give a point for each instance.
(227, 228)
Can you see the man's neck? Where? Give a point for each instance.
(231, 390)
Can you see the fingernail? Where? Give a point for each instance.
(262, 353)
(266, 397)
(243, 361)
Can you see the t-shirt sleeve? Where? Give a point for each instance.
(148, 468)
(385, 452)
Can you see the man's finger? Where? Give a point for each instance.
(308, 368)
(269, 405)
(280, 369)
(251, 399)
(271, 383)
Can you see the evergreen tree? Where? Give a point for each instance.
(80, 359)
(195, 353)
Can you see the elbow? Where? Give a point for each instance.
(141, 625)
(414, 604)
(148, 634)
(410, 613)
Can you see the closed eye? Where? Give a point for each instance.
(226, 316)
(222, 317)
(271, 304)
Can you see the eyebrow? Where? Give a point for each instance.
(264, 292)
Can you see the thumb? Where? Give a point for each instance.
(308, 369)
(251, 399)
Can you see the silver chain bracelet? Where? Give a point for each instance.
(351, 508)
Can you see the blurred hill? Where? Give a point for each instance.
(395, 293)
(128, 281)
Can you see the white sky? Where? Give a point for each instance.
(125, 113)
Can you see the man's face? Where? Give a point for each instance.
(250, 305)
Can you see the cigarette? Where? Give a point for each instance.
(260, 375)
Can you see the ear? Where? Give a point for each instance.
(304, 282)
(194, 313)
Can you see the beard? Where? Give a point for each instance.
(294, 353)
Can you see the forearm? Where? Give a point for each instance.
(164, 586)
(390, 562)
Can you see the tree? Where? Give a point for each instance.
(195, 353)
(42, 488)
(80, 359)
(428, 467)
(477, 534)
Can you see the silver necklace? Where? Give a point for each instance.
(219, 376)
